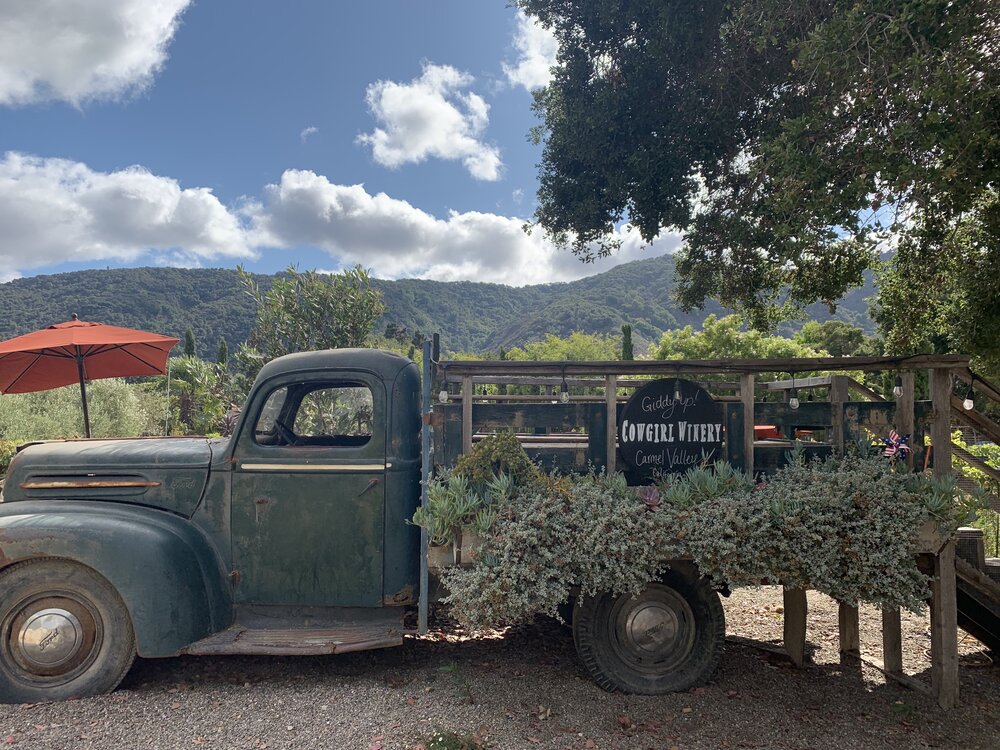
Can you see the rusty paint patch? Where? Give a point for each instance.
(234, 577)
(403, 596)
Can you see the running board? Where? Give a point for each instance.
(381, 629)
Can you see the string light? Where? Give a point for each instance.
(897, 389)
(969, 404)
(677, 391)
(793, 395)
(443, 396)
(564, 390)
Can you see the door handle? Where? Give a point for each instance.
(371, 483)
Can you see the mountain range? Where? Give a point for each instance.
(471, 316)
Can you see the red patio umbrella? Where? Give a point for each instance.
(78, 351)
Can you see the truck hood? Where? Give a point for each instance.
(167, 473)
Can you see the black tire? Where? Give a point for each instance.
(64, 633)
(667, 639)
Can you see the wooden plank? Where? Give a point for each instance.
(611, 430)
(892, 641)
(944, 627)
(848, 628)
(527, 417)
(747, 399)
(672, 368)
(906, 418)
(838, 397)
(983, 424)
(802, 383)
(973, 461)
(810, 414)
(796, 609)
(941, 421)
(466, 415)
(864, 390)
(581, 382)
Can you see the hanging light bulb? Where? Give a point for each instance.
(969, 404)
(793, 395)
(677, 391)
(564, 391)
(443, 396)
(897, 389)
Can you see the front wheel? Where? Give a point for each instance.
(667, 639)
(64, 633)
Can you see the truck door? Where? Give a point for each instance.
(308, 490)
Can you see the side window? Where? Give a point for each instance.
(335, 415)
(266, 431)
(331, 414)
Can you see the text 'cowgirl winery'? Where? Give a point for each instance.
(667, 427)
(685, 432)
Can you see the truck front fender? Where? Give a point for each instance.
(165, 570)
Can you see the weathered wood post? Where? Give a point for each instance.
(838, 397)
(847, 616)
(892, 632)
(746, 398)
(796, 610)
(467, 414)
(944, 605)
(611, 402)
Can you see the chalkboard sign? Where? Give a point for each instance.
(667, 427)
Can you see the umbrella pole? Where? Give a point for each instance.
(83, 392)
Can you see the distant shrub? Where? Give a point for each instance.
(7, 450)
(117, 409)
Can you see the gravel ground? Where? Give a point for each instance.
(525, 689)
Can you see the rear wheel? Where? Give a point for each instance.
(64, 633)
(666, 639)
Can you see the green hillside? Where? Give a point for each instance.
(470, 316)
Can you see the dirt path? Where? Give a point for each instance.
(526, 690)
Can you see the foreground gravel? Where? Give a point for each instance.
(525, 689)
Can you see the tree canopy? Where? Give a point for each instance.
(792, 142)
(725, 337)
(305, 311)
(577, 346)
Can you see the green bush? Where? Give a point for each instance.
(495, 455)
(846, 527)
(7, 450)
(117, 409)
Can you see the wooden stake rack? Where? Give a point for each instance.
(467, 415)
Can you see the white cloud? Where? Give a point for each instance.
(306, 132)
(431, 116)
(76, 50)
(55, 210)
(396, 239)
(536, 54)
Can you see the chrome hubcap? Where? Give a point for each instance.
(653, 631)
(651, 628)
(50, 638)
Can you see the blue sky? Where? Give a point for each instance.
(168, 132)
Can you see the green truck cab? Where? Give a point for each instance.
(289, 537)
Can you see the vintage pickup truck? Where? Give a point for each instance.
(289, 537)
